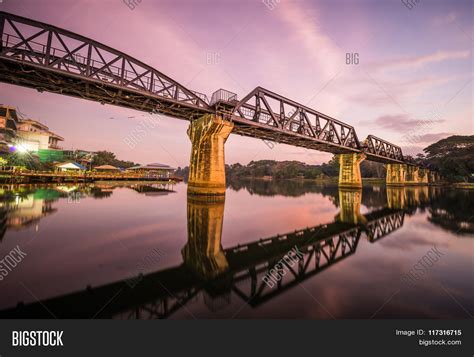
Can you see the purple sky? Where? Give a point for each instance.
(412, 86)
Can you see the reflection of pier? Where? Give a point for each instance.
(158, 189)
(219, 272)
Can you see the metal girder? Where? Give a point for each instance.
(381, 227)
(268, 115)
(45, 57)
(48, 58)
(380, 150)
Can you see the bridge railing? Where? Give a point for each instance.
(202, 96)
(78, 64)
(222, 95)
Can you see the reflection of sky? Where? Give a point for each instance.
(97, 241)
(414, 69)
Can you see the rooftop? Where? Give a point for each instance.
(70, 165)
(106, 167)
(153, 166)
(35, 122)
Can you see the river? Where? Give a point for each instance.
(118, 250)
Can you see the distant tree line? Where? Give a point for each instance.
(453, 157)
(283, 170)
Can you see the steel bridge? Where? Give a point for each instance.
(161, 294)
(47, 58)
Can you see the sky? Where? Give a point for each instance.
(411, 85)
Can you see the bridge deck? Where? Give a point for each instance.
(47, 58)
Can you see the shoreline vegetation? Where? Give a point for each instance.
(452, 157)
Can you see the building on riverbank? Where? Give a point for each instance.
(106, 168)
(28, 135)
(70, 166)
(155, 170)
(37, 135)
(82, 157)
(8, 126)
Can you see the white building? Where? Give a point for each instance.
(34, 136)
(153, 170)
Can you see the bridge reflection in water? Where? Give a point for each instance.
(217, 272)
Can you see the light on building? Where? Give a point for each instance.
(21, 149)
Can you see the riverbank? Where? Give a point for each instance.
(60, 177)
(330, 180)
(464, 185)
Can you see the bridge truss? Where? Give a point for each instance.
(268, 115)
(47, 58)
(378, 149)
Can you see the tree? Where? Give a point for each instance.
(331, 169)
(108, 158)
(372, 169)
(25, 160)
(453, 157)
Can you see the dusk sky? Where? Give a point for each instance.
(412, 85)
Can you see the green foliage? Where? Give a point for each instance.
(182, 172)
(108, 158)
(26, 160)
(453, 157)
(371, 169)
(291, 170)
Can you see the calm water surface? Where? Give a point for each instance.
(114, 250)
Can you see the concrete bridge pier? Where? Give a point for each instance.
(208, 135)
(349, 170)
(396, 174)
(416, 175)
(433, 178)
(411, 175)
(423, 176)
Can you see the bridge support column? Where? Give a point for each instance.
(433, 177)
(396, 174)
(423, 176)
(411, 175)
(349, 170)
(208, 135)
